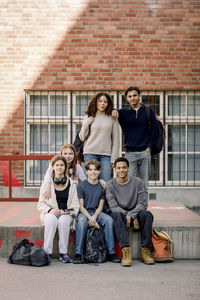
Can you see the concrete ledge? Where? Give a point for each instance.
(13, 234)
(21, 220)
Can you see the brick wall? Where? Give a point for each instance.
(92, 45)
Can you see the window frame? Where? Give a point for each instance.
(180, 120)
(72, 120)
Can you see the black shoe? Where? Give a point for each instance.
(113, 258)
(78, 259)
(64, 258)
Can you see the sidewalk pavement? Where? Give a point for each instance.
(179, 280)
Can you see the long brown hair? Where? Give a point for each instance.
(92, 106)
(57, 158)
(73, 163)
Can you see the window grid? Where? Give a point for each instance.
(63, 113)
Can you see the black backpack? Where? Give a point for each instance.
(25, 253)
(78, 144)
(95, 250)
(158, 146)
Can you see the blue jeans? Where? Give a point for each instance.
(105, 165)
(139, 165)
(104, 221)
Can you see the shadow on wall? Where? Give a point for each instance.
(112, 44)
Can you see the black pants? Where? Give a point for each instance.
(145, 219)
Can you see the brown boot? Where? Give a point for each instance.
(145, 256)
(127, 257)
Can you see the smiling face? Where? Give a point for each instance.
(68, 154)
(133, 99)
(102, 104)
(122, 170)
(59, 169)
(92, 173)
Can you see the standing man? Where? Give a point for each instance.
(137, 139)
(128, 202)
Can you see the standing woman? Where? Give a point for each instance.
(60, 210)
(103, 141)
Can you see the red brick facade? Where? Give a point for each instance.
(97, 44)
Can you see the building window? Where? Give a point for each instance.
(47, 129)
(183, 138)
(52, 118)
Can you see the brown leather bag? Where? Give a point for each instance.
(163, 247)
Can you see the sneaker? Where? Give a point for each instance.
(127, 257)
(64, 258)
(78, 259)
(146, 256)
(113, 258)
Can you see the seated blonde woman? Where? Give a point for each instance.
(60, 210)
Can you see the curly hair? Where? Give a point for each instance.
(92, 106)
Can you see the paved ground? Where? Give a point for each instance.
(176, 281)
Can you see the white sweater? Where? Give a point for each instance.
(44, 205)
(103, 138)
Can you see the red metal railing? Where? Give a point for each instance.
(9, 159)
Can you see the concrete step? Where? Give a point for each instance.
(20, 220)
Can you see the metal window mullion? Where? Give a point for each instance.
(186, 140)
(62, 120)
(48, 132)
(41, 124)
(71, 115)
(55, 121)
(164, 151)
(33, 139)
(194, 139)
(172, 136)
(186, 153)
(48, 121)
(157, 160)
(117, 100)
(25, 136)
(179, 122)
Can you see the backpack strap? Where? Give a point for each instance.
(88, 130)
(148, 113)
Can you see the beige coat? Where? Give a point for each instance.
(44, 205)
